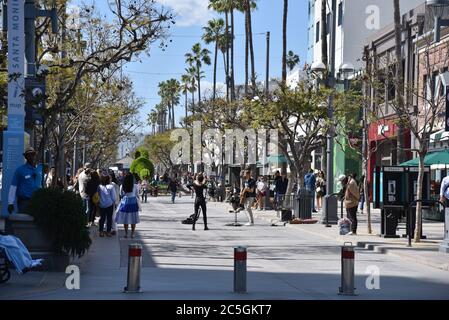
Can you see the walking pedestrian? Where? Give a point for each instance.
(173, 188)
(116, 185)
(144, 189)
(199, 187)
(128, 209)
(83, 178)
(107, 195)
(92, 192)
(352, 197)
(310, 185)
(320, 190)
(281, 185)
(261, 193)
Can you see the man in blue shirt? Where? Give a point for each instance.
(23, 183)
(310, 184)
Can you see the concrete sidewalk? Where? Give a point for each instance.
(426, 252)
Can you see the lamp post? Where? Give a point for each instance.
(346, 69)
(438, 6)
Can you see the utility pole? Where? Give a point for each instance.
(267, 79)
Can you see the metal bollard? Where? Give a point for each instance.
(240, 270)
(347, 270)
(134, 266)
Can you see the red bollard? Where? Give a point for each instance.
(347, 270)
(134, 266)
(240, 270)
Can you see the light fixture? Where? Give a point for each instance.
(346, 70)
(318, 67)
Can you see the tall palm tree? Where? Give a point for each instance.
(292, 60)
(227, 7)
(196, 58)
(169, 91)
(212, 33)
(152, 120)
(284, 43)
(162, 115)
(224, 45)
(191, 73)
(185, 89)
(174, 89)
(248, 6)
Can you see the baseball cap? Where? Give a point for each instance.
(29, 150)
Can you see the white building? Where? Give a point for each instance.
(356, 21)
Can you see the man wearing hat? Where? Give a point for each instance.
(24, 182)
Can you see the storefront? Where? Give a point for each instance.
(382, 140)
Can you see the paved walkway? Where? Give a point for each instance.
(293, 262)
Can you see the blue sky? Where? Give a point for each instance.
(191, 16)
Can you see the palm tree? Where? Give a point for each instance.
(162, 114)
(196, 58)
(284, 43)
(174, 89)
(152, 120)
(292, 60)
(185, 89)
(169, 91)
(212, 33)
(227, 7)
(248, 6)
(191, 73)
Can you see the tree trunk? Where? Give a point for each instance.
(246, 52)
(251, 49)
(284, 43)
(324, 49)
(227, 57)
(186, 104)
(215, 70)
(193, 102)
(173, 124)
(199, 86)
(232, 57)
(399, 85)
(418, 227)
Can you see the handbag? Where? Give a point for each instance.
(96, 198)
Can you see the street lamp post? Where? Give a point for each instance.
(330, 202)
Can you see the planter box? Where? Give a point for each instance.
(38, 244)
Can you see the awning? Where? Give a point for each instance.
(280, 158)
(433, 158)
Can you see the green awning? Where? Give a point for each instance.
(280, 158)
(438, 157)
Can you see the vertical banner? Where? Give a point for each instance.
(13, 137)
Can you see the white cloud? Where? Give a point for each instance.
(189, 12)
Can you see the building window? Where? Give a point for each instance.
(340, 13)
(317, 32)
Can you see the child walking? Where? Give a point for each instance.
(128, 209)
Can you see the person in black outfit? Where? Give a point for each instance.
(200, 201)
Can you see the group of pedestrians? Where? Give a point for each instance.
(104, 196)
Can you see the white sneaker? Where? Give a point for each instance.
(248, 224)
(349, 233)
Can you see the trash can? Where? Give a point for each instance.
(304, 204)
